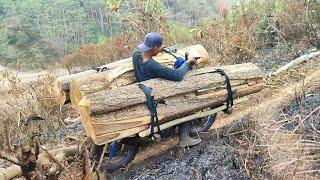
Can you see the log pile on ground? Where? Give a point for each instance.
(113, 114)
(122, 71)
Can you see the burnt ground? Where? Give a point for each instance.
(214, 158)
(303, 108)
(270, 59)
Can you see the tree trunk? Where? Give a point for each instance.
(136, 119)
(120, 98)
(116, 69)
(110, 115)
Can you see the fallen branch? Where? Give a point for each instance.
(58, 161)
(87, 167)
(7, 132)
(9, 158)
(295, 62)
(59, 154)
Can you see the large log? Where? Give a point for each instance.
(116, 69)
(97, 82)
(124, 119)
(115, 99)
(106, 131)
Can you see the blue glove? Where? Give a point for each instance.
(179, 62)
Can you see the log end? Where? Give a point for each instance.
(75, 93)
(62, 95)
(204, 53)
(86, 119)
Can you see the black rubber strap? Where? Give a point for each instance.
(152, 106)
(229, 89)
(151, 103)
(137, 68)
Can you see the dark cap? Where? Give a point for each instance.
(151, 40)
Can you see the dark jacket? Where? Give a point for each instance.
(151, 69)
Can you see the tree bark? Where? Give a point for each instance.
(138, 118)
(98, 82)
(116, 69)
(124, 97)
(30, 99)
(110, 115)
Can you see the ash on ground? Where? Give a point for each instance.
(303, 109)
(212, 159)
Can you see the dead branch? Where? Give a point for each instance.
(8, 141)
(295, 62)
(42, 161)
(57, 161)
(87, 168)
(9, 158)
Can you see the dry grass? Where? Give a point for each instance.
(285, 153)
(23, 102)
(235, 35)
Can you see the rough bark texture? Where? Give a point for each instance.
(101, 81)
(95, 83)
(175, 108)
(116, 69)
(115, 99)
(113, 114)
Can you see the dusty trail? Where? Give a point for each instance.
(26, 76)
(23, 75)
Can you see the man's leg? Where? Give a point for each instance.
(184, 138)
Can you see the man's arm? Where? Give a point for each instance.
(163, 72)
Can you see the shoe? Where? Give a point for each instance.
(189, 142)
(184, 138)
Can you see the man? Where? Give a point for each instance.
(147, 68)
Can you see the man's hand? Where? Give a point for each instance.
(192, 61)
(192, 56)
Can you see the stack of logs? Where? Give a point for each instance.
(109, 114)
(119, 73)
(112, 114)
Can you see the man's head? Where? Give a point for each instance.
(152, 43)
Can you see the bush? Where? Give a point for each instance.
(234, 35)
